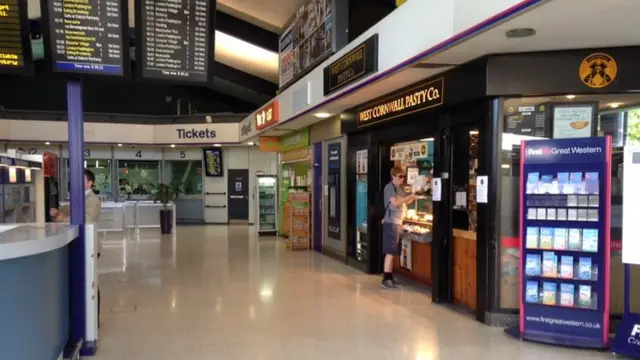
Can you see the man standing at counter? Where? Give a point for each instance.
(92, 210)
(395, 200)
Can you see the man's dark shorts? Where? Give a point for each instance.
(391, 238)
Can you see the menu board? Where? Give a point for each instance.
(213, 162)
(176, 38)
(87, 37)
(573, 121)
(15, 47)
(527, 120)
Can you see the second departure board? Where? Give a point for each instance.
(15, 46)
(87, 36)
(175, 39)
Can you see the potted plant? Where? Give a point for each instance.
(165, 194)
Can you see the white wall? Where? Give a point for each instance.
(410, 30)
(237, 158)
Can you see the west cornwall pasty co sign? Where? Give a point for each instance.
(418, 98)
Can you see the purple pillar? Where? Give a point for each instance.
(75, 129)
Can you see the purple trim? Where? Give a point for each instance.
(75, 129)
(126, 144)
(89, 348)
(521, 6)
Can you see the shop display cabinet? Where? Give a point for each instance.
(267, 204)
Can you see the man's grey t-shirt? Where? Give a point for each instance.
(394, 214)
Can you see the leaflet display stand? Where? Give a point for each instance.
(627, 340)
(565, 208)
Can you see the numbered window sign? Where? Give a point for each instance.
(138, 153)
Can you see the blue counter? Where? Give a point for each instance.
(34, 300)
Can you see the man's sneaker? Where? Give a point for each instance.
(388, 284)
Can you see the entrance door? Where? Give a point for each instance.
(238, 193)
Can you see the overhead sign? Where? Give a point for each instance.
(598, 70)
(269, 144)
(409, 152)
(87, 37)
(417, 98)
(176, 39)
(267, 116)
(295, 140)
(302, 154)
(15, 44)
(355, 65)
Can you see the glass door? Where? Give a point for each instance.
(267, 191)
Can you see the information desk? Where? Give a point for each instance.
(34, 306)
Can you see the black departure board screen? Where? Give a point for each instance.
(15, 46)
(87, 36)
(176, 39)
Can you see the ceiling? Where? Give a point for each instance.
(559, 25)
(269, 15)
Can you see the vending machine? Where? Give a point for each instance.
(267, 204)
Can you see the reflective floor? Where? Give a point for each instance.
(221, 292)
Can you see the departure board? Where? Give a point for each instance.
(87, 36)
(176, 39)
(15, 47)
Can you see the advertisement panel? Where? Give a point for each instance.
(295, 140)
(310, 38)
(565, 242)
(334, 181)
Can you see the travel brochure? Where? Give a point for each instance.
(563, 183)
(548, 238)
(549, 294)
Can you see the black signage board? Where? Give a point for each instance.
(213, 162)
(176, 40)
(353, 66)
(15, 45)
(529, 120)
(418, 98)
(87, 37)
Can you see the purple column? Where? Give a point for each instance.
(75, 129)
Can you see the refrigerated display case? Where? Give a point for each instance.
(267, 204)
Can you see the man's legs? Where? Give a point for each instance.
(390, 237)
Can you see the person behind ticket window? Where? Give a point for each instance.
(395, 200)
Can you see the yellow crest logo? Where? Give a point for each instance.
(598, 70)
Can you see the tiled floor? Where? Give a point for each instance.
(221, 292)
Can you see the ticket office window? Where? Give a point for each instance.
(101, 168)
(535, 122)
(187, 176)
(138, 178)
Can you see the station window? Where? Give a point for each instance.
(138, 178)
(187, 174)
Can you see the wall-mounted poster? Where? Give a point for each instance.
(213, 162)
(317, 30)
(362, 160)
(573, 121)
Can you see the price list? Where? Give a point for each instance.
(176, 39)
(14, 56)
(86, 36)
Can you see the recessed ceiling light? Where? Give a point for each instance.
(47, 143)
(473, 132)
(520, 33)
(217, 145)
(173, 145)
(427, 139)
(614, 105)
(322, 115)
(571, 96)
(120, 145)
(251, 143)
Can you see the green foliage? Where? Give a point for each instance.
(633, 127)
(164, 194)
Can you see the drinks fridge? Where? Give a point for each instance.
(267, 204)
